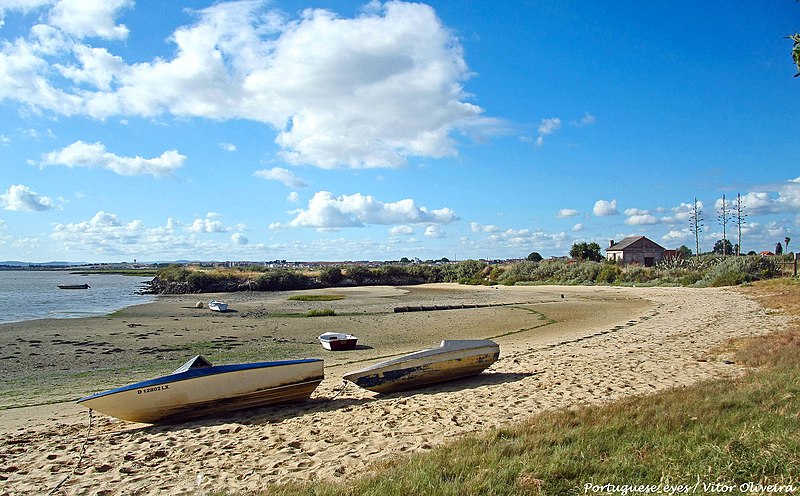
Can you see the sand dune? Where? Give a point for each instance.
(591, 345)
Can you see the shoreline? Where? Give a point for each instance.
(596, 344)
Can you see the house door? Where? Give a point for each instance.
(648, 261)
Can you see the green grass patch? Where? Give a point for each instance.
(318, 297)
(322, 312)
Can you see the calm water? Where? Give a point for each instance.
(29, 295)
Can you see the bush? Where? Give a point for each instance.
(609, 273)
(738, 270)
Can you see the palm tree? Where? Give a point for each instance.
(786, 241)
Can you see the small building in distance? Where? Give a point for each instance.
(635, 249)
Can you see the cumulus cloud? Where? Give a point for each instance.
(90, 18)
(401, 231)
(239, 239)
(603, 208)
(228, 147)
(435, 232)
(95, 156)
(328, 212)
(566, 213)
(21, 198)
(333, 100)
(283, 175)
(211, 224)
(475, 227)
(641, 220)
(577, 227)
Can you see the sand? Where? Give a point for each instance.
(560, 347)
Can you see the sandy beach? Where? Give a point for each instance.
(560, 347)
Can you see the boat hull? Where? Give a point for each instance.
(218, 306)
(210, 391)
(73, 286)
(333, 341)
(426, 367)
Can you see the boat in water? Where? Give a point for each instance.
(217, 306)
(73, 286)
(198, 389)
(453, 359)
(337, 341)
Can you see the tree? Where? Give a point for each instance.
(696, 223)
(586, 251)
(534, 257)
(684, 251)
(723, 247)
(739, 216)
(778, 248)
(786, 240)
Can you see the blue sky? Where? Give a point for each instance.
(340, 130)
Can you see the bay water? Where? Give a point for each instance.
(34, 294)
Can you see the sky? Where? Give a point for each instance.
(338, 130)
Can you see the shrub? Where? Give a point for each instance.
(609, 273)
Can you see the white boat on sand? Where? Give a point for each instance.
(217, 306)
(337, 341)
(198, 388)
(453, 359)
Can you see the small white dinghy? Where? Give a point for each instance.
(217, 306)
(337, 341)
(198, 388)
(453, 359)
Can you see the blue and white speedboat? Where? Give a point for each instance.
(198, 388)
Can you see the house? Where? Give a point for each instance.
(635, 249)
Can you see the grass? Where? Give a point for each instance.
(318, 297)
(716, 435)
(323, 312)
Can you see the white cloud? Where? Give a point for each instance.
(577, 227)
(293, 197)
(328, 212)
(228, 147)
(641, 220)
(208, 225)
(90, 18)
(435, 232)
(21, 198)
(401, 231)
(106, 235)
(587, 120)
(95, 156)
(333, 100)
(603, 208)
(239, 239)
(566, 213)
(547, 127)
(475, 227)
(283, 175)
(636, 211)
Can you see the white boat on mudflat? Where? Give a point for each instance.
(453, 359)
(217, 306)
(337, 341)
(198, 388)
